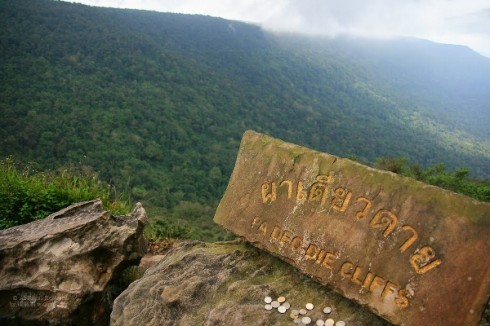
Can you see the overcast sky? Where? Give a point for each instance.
(465, 22)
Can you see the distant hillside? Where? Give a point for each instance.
(157, 102)
(451, 83)
(444, 90)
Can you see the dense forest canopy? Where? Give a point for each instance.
(157, 103)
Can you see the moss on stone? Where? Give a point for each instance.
(229, 283)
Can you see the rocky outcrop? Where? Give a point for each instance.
(57, 270)
(225, 284)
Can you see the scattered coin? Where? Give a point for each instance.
(329, 322)
(327, 310)
(282, 306)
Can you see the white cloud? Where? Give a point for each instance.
(449, 21)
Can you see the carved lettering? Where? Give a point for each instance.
(276, 233)
(320, 256)
(356, 276)
(311, 252)
(362, 214)
(256, 221)
(296, 243)
(263, 228)
(423, 260)
(286, 238)
(368, 280)
(377, 283)
(290, 187)
(269, 192)
(300, 193)
(283, 237)
(410, 240)
(389, 289)
(402, 299)
(384, 219)
(329, 260)
(346, 269)
(341, 199)
(319, 190)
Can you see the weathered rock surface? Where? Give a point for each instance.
(225, 284)
(413, 253)
(56, 270)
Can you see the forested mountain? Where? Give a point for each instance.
(157, 103)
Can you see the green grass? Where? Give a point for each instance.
(27, 195)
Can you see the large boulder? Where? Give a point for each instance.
(409, 251)
(225, 284)
(58, 270)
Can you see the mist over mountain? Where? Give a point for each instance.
(157, 102)
(449, 82)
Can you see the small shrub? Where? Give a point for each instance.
(166, 229)
(131, 274)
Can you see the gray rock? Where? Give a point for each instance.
(225, 284)
(57, 270)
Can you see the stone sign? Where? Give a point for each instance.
(414, 254)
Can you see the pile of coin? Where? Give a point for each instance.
(300, 316)
(280, 304)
